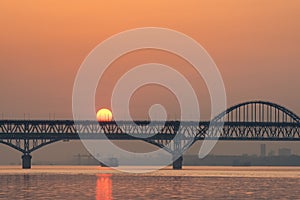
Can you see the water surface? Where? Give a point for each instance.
(70, 182)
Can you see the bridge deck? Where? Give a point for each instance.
(68, 130)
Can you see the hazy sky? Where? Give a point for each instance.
(255, 44)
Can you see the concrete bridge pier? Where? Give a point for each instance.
(177, 163)
(26, 161)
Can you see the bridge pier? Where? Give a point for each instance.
(177, 163)
(26, 161)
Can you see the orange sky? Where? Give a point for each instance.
(255, 44)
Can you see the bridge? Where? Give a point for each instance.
(249, 121)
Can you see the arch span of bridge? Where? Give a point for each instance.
(254, 120)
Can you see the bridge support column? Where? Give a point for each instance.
(177, 163)
(26, 161)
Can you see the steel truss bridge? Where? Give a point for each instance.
(249, 121)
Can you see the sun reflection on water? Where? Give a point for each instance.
(104, 187)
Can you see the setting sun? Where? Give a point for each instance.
(104, 115)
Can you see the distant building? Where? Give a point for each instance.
(263, 150)
(271, 153)
(284, 152)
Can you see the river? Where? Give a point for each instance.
(93, 182)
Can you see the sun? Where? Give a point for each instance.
(104, 115)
